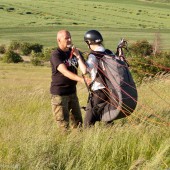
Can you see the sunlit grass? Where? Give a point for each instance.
(133, 20)
(30, 138)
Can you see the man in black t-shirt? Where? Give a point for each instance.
(64, 62)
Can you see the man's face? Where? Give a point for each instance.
(65, 41)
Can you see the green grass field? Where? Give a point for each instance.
(30, 138)
(38, 21)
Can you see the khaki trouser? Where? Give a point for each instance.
(66, 108)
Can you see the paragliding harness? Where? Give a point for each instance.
(113, 73)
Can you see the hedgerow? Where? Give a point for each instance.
(141, 48)
(143, 61)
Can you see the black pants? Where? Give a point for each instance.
(95, 106)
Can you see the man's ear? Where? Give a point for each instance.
(58, 40)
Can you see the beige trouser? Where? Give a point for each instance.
(66, 108)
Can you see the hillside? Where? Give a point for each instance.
(38, 21)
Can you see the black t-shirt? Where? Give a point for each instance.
(60, 84)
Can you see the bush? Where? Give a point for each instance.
(141, 48)
(37, 58)
(47, 53)
(11, 57)
(37, 48)
(26, 48)
(10, 9)
(28, 12)
(14, 45)
(36, 62)
(149, 66)
(2, 49)
(37, 55)
(162, 60)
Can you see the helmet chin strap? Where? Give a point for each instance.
(88, 45)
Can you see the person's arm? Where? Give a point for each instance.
(81, 63)
(63, 69)
(91, 62)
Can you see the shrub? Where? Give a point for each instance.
(37, 58)
(149, 66)
(28, 12)
(37, 48)
(26, 48)
(162, 60)
(14, 45)
(141, 48)
(37, 55)
(36, 62)
(47, 53)
(10, 9)
(2, 49)
(12, 57)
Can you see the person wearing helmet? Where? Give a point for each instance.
(64, 62)
(97, 98)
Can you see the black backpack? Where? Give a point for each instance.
(114, 74)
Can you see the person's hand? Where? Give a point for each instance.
(87, 80)
(75, 51)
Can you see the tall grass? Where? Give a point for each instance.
(30, 138)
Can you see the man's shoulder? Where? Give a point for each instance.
(55, 56)
(55, 52)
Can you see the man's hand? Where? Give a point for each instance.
(87, 80)
(75, 51)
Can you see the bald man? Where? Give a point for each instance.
(64, 63)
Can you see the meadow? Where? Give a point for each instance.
(29, 137)
(38, 21)
(31, 140)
